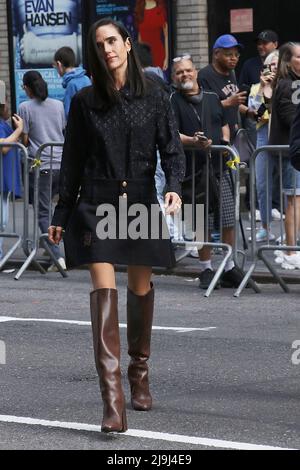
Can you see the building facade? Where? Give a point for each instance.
(191, 35)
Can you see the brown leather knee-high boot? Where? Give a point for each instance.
(106, 339)
(139, 325)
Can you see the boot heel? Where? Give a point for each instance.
(124, 421)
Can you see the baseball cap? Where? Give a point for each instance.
(268, 36)
(226, 42)
(2, 92)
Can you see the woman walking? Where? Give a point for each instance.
(109, 158)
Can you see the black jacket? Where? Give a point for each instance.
(116, 144)
(295, 141)
(283, 110)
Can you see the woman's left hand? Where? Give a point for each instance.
(172, 203)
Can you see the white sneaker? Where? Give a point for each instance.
(257, 216)
(281, 240)
(276, 215)
(291, 262)
(53, 268)
(279, 256)
(194, 253)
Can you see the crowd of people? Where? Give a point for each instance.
(124, 134)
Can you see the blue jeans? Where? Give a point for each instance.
(4, 213)
(264, 161)
(160, 183)
(44, 208)
(267, 162)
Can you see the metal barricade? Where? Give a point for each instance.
(41, 239)
(257, 254)
(19, 162)
(234, 250)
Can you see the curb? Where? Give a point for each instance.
(184, 271)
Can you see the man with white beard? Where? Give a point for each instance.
(202, 122)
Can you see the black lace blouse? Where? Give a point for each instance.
(118, 143)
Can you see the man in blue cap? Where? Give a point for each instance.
(219, 77)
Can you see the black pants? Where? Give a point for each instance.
(45, 202)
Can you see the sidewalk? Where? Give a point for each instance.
(188, 267)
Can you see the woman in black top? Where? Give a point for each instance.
(284, 106)
(113, 131)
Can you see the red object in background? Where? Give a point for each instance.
(151, 32)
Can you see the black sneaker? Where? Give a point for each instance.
(205, 278)
(232, 278)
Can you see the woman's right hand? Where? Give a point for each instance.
(55, 234)
(266, 79)
(18, 122)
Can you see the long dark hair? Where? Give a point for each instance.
(37, 85)
(284, 62)
(140, 10)
(103, 82)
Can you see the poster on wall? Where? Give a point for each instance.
(241, 21)
(39, 28)
(147, 21)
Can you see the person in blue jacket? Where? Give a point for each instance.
(11, 175)
(74, 78)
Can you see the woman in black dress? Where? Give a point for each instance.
(109, 159)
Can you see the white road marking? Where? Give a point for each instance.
(160, 436)
(87, 323)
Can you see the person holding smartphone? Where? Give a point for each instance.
(260, 100)
(202, 122)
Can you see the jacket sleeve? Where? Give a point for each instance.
(72, 165)
(169, 145)
(71, 90)
(285, 106)
(295, 141)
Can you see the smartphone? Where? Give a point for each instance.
(261, 110)
(201, 137)
(267, 70)
(244, 88)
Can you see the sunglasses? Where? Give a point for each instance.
(182, 57)
(235, 55)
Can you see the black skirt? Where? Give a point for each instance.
(118, 222)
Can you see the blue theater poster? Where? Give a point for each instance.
(39, 28)
(147, 21)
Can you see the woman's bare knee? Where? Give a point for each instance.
(139, 279)
(103, 275)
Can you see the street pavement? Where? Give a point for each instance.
(222, 374)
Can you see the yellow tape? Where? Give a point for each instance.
(36, 163)
(232, 163)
